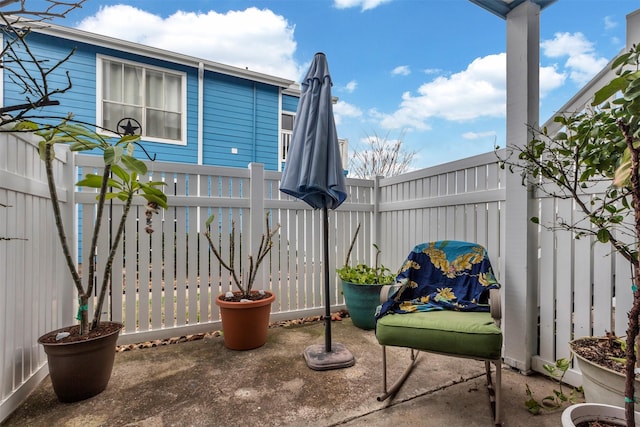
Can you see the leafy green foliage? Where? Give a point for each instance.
(364, 274)
(559, 398)
(119, 180)
(594, 161)
(125, 168)
(588, 161)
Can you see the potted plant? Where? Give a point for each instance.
(81, 356)
(599, 147)
(245, 312)
(361, 285)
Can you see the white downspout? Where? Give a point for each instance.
(200, 112)
(200, 131)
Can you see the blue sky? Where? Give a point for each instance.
(431, 72)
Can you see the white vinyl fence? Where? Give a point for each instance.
(33, 294)
(584, 287)
(462, 200)
(169, 280)
(166, 282)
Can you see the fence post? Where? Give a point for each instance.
(70, 219)
(256, 221)
(520, 287)
(376, 225)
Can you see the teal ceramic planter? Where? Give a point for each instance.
(362, 301)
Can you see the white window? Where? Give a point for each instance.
(153, 96)
(286, 131)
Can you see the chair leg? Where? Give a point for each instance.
(495, 390)
(396, 386)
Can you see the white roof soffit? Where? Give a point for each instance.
(152, 52)
(503, 7)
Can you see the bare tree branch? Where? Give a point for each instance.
(32, 75)
(54, 9)
(381, 157)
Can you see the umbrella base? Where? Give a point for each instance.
(320, 360)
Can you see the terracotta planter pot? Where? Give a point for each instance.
(245, 324)
(362, 301)
(81, 369)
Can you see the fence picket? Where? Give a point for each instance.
(145, 281)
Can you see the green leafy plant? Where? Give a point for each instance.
(243, 280)
(559, 397)
(362, 274)
(365, 274)
(119, 180)
(623, 347)
(594, 161)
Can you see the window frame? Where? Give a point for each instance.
(100, 60)
(284, 134)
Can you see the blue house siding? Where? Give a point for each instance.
(81, 98)
(290, 103)
(82, 76)
(239, 115)
(266, 128)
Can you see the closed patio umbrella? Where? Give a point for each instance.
(314, 174)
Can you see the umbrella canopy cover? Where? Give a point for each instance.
(313, 171)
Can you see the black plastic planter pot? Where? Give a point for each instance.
(81, 369)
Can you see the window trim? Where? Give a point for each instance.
(99, 98)
(282, 160)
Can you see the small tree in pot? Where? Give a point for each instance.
(87, 372)
(34, 76)
(243, 280)
(245, 313)
(83, 370)
(119, 180)
(599, 147)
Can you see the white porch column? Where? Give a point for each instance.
(633, 28)
(520, 291)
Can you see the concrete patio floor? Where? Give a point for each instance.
(201, 383)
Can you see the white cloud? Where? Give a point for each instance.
(563, 43)
(582, 62)
(478, 91)
(363, 4)
(478, 135)
(609, 23)
(351, 86)
(253, 38)
(550, 79)
(344, 109)
(401, 70)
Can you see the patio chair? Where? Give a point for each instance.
(445, 300)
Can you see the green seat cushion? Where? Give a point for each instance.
(471, 334)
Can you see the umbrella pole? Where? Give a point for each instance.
(329, 356)
(327, 297)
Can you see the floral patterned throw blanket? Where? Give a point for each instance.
(447, 274)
